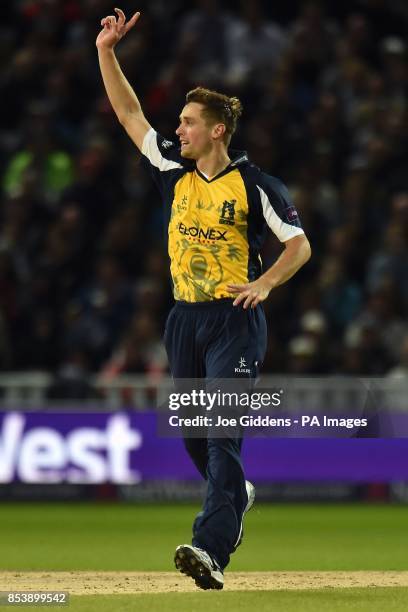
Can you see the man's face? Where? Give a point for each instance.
(196, 136)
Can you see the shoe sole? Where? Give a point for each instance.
(187, 563)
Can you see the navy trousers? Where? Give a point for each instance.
(209, 341)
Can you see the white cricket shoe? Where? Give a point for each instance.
(250, 489)
(199, 565)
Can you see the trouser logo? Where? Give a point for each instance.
(242, 369)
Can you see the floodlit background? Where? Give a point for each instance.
(83, 268)
(84, 283)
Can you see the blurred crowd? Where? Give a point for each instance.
(84, 281)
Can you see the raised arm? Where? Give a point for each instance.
(122, 97)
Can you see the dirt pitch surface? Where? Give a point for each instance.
(105, 583)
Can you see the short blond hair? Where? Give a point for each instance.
(217, 108)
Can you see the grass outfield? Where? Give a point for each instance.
(279, 537)
(337, 600)
(143, 537)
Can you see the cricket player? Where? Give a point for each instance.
(219, 206)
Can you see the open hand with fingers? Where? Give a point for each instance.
(252, 293)
(114, 29)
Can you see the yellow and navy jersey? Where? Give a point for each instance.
(216, 227)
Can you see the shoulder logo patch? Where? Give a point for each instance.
(291, 213)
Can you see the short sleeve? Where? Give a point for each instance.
(164, 159)
(161, 153)
(278, 209)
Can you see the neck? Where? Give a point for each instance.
(213, 163)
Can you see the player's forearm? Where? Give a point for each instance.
(289, 262)
(121, 95)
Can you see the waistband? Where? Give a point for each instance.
(213, 304)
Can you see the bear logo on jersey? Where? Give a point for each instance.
(228, 212)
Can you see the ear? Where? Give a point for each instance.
(218, 131)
